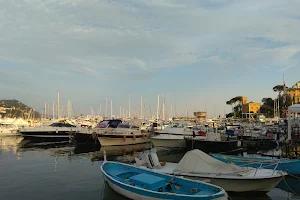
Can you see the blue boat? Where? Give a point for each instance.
(288, 165)
(137, 183)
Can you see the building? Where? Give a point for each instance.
(200, 115)
(296, 86)
(251, 107)
(294, 93)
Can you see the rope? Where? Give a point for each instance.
(297, 177)
(289, 187)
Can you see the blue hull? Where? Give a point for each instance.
(288, 165)
(127, 179)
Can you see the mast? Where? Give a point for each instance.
(171, 115)
(157, 110)
(120, 116)
(129, 106)
(111, 109)
(45, 113)
(163, 108)
(58, 105)
(105, 108)
(100, 111)
(141, 114)
(53, 111)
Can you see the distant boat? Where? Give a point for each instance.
(288, 165)
(136, 183)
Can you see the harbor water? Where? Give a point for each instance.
(34, 170)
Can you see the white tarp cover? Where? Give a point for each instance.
(294, 108)
(197, 161)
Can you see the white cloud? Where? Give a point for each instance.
(89, 36)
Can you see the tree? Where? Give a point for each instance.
(237, 108)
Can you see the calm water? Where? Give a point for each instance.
(38, 170)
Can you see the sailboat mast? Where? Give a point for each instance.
(105, 108)
(157, 110)
(141, 114)
(58, 105)
(111, 109)
(163, 108)
(53, 111)
(129, 107)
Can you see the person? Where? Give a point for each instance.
(194, 134)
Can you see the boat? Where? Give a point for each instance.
(198, 165)
(60, 129)
(136, 183)
(8, 130)
(292, 166)
(90, 134)
(126, 133)
(212, 143)
(173, 136)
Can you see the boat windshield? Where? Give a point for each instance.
(124, 126)
(62, 125)
(102, 124)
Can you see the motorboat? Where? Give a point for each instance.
(60, 129)
(173, 136)
(126, 133)
(91, 134)
(136, 183)
(198, 165)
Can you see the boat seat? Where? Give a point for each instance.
(147, 180)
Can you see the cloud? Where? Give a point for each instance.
(89, 37)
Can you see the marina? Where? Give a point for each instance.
(149, 100)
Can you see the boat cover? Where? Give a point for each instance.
(197, 161)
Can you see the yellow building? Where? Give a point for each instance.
(251, 107)
(200, 115)
(294, 93)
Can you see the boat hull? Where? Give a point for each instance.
(120, 140)
(211, 146)
(171, 143)
(241, 185)
(127, 193)
(290, 166)
(122, 181)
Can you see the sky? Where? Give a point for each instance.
(199, 54)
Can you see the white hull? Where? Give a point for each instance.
(5, 132)
(171, 143)
(120, 141)
(127, 193)
(242, 185)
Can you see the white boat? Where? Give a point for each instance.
(197, 165)
(8, 130)
(136, 183)
(59, 129)
(173, 137)
(126, 133)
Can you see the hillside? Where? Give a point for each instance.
(15, 108)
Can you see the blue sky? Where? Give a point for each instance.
(200, 53)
